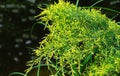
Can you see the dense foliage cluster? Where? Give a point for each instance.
(81, 42)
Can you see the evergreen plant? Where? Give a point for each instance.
(81, 42)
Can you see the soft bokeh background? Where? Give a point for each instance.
(20, 34)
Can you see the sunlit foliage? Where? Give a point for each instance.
(81, 42)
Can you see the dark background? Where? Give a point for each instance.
(20, 34)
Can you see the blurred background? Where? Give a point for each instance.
(20, 34)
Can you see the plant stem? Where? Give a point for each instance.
(77, 2)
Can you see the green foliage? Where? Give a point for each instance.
(81, 42)
(17, 73)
